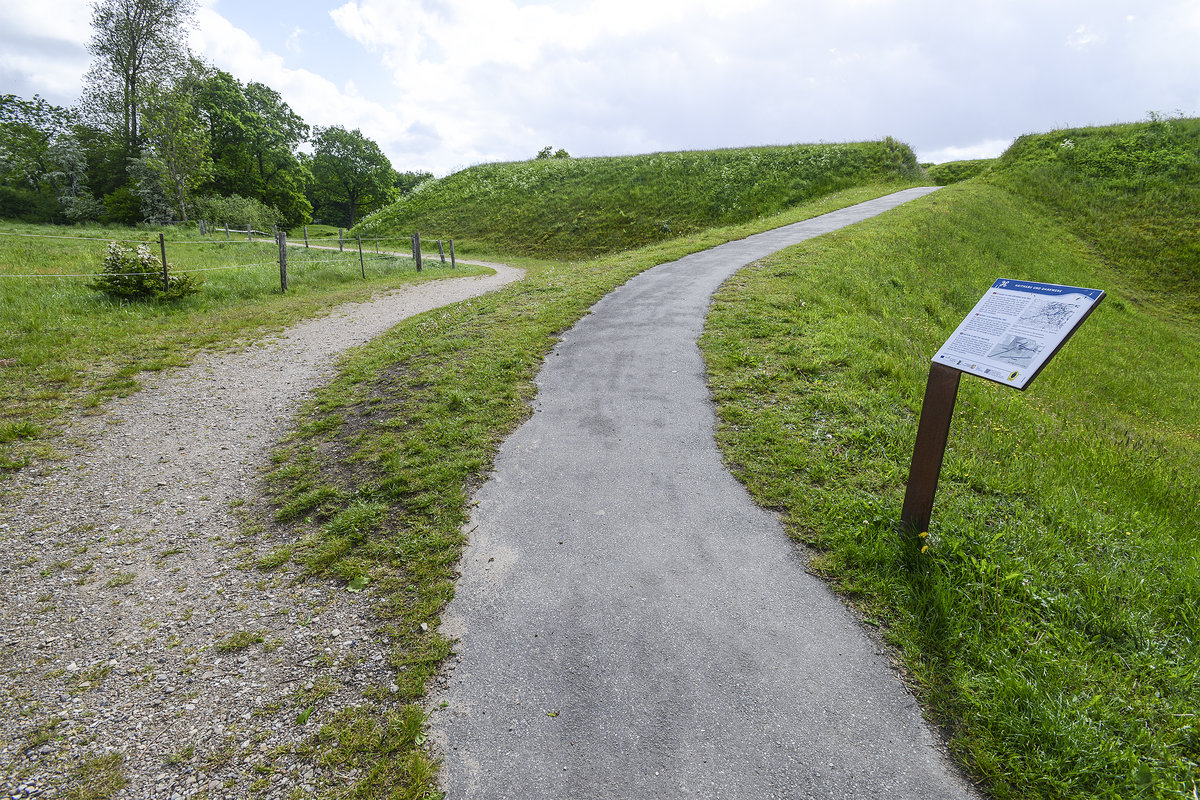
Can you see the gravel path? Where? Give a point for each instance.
(123, 586)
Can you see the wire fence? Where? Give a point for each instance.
(279, 239)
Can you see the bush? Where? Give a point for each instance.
(83, 208)
(136, 274)
(27, 206)
(122, 207)
(237, 212)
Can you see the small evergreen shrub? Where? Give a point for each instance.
(134, 273)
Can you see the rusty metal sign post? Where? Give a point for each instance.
(1009, 337)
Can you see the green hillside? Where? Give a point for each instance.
(955, 171)
(1048, 617)
(1131, 191)
(585, 206)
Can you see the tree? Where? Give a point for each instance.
(275, 134)
(177, 144)
(42, 162)
(28, 129)
(135, 44)
(405, 182)
(255, 138)
(351, 174)
(549, 152)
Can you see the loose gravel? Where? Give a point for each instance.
(135, 635)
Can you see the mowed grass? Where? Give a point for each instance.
(1052, 623)
(577, 207)
(374, 487)
(65, 348)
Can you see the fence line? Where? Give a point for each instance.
(280, 241)
(134, 241)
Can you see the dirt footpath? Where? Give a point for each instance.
(133, 639)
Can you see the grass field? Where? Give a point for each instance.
(572, 208)
(65, 348)
(1049, 617)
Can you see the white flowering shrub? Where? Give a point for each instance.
(134, 273)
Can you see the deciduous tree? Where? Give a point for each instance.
(350, 172)
(135, 44)
(177, 144)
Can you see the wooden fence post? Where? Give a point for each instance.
(281, 240)
(362, 266)
(305, 237)
(249, 238)
(227, 231)
(377, 244)
(441, 252)
(201, 227)
(451, 254)
(340, 249)
(417, 247)
(162, 248)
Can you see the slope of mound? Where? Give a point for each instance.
(587, 206)
(957, 171)
(1047, 615)
(1132, 191)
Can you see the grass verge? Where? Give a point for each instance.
(1049, 617)
(375, 483)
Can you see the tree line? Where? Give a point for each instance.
(159, 136)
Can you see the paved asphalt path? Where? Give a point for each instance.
(631, 624)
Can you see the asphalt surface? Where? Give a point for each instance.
(631, 624)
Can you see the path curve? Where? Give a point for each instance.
(631, 625)
(121, 574)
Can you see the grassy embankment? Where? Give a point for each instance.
(1052, 623)
(957, 171)
(375, 484)
(580, 207)
(65, 348)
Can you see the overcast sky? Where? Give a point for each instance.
(443, 84)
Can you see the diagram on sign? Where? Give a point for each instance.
(1051, 316)
(1016, 350)
(1015, 328)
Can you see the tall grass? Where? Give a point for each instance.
(1049, 617)
(1132, 191)
(586, 206)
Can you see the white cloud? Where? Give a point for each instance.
(990, 148)
(61, 20)
(315, 98)
(43, 48)
(1082, 38)
(446, 83)
(293, 41)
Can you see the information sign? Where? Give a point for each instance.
(1015, 329)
